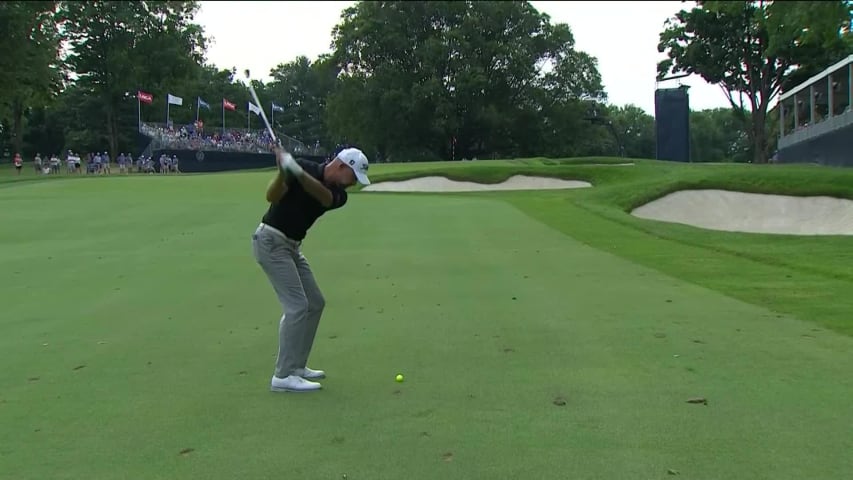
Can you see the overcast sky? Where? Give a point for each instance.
(623, 36)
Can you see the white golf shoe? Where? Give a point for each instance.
(293, 383)
(309, 373)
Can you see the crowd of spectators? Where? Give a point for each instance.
(165, 137)
(96, 163)
(191, 137)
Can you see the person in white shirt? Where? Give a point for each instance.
(71, 162)
(55, 163)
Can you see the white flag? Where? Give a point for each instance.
(254, 108)
(175, 100)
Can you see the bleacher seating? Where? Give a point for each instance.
(187, 137)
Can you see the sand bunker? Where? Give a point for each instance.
(753, 213)
(604, 165)
(441, 184)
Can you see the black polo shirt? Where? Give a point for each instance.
(297, 210)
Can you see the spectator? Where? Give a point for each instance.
(191, 138)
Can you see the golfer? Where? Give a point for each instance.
(301, 192)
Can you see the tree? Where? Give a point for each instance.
(213, 84)
(301, 87)
(116, 47)
(716, 136)
(29, 61)
(45, 134)
(754, 49)
(636, 130)
(427, 78)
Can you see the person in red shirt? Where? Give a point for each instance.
(19, 163)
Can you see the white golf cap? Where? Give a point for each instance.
(357, 161)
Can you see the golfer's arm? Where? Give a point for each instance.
(277, 188)
(316, 189)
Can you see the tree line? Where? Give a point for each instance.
(405, 81)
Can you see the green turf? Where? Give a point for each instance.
(492, 305)
(809, 276)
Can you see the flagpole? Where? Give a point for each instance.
(248, 118)
(272, 119)
(167, 110)
(197, 103)
(138, 113)
(223, 117)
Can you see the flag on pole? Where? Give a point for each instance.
(141, 97)
(172, 100)
(254, 109)
(200, 103)
(274, 108)
(226, 105)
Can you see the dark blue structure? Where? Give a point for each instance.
(833, 148)
(672, 124)
(816, 119)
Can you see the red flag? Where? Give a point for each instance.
(228, 105)
(144, 97)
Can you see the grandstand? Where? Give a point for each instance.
(218, 150)
(816, 119)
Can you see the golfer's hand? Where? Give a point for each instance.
(286, 163)
(279, 160)
(290, 165)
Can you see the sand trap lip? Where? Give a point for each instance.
(442, 184)
(604, 164)
(752, 213)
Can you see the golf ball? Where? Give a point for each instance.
(399, 377)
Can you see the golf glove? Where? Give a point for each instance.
(291, 165)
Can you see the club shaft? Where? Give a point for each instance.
(261, 108)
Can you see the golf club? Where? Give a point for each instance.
(258, 103)
(263, 116)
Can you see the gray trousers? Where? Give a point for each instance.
(301, 300)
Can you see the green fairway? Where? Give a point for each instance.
(542, 335)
